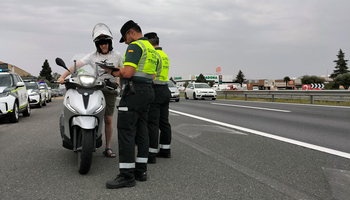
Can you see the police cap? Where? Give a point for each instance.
(151, 35)
(127, 26)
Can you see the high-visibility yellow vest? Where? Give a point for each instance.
(162, 69)
(147, 65)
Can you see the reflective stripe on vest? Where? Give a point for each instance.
(148, 61)
(163, 68)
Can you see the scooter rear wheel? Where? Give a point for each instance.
(85, 150)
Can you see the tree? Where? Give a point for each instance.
(211, 83)
(46, 71)
(201, 79)
(343, 79)
(186, 84)
(240, 78)
(286, 80)
(341, 65)
(311, 79)
(56, 76)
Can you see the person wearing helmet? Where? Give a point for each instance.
(102, 37)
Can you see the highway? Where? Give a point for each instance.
(220, 150)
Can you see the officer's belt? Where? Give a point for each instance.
(159, 85)
(141, 84)
(142, 74)
(157, 82)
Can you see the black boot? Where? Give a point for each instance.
(141, 177)
(164, 153)
(121, 182)
(152, 158)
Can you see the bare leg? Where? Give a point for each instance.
(109, 132)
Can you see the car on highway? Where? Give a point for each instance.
(54, 93)
(13, 96)
(47, 91)
(36, 92)
(175, 93)
(199, 91)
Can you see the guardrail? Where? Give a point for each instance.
(310, 93)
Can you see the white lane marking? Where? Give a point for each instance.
(259, 108)
(283, 139)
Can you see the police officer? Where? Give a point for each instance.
(158, 116)
(140, 62)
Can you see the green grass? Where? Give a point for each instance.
(300, 101)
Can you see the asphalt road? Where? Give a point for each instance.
(220, 150)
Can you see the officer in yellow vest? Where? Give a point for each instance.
(140, 62)
(158, 116)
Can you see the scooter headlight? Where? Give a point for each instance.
(87, 80)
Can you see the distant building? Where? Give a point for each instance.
(262, 84)
(181, 80)
(14, 69)
(279, 84)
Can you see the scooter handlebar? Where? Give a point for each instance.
(58, 82)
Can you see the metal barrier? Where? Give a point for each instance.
(310, 93)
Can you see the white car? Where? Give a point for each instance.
(199, 91)
(13, 96)
(175, 93)
(36, 92)
(47, 91)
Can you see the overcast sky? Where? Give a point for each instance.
(262, 38)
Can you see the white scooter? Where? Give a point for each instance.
(83, 115)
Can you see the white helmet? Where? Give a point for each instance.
(101, 31)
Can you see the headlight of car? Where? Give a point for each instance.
(86, 80)
(33, 94)
(198, 91)
(5, 94)
(177, 91)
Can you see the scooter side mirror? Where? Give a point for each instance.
(61, 63)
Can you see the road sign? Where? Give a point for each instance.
(316, 86)
(313, 86)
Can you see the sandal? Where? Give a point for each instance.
(109, 155)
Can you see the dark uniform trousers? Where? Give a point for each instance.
(132, 129)
(158, 119)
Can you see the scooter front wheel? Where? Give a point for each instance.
(85, 150)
